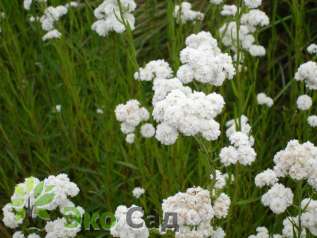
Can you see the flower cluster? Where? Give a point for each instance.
(297, 161)
(114, 15)
(307, 72)
(123, 230)
(178, 109)
(304, 102)
(219, 179)
(241, 149)
(216, 2)
(312, 49)
(35, 199)
(190, 114)
(262, 232)
(138, 192)
(312, 120)
(195, 212)
(309, 215)
(184, 13)
(250, 21)
(51, 15)
(156, 69)
(130, 115)
(203, 61)
(278, 198)
(263, 99)
(253, 3)
(229, 10)
(266, 178)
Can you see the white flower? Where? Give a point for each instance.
(99, 111)
(253, 3)
(229, 155)
(33, 236)
(229, 10)
(131, 115)
(18, 234)
(296, 160)
(304, 102)
(9, 217)
(190, 115)
(130, 138)
(257, 50)
(219, 179)
(157, 69)
(183, 13)
(312, 49)
(51, 15)
(195, 213)
(58, 108)
(63, 188)
(58, 229)
(27, 4)
(218, 233)
(166, 134)
(123, 230)
(162, 87)
(278, 198)
(289, 227)
(266, 178)
(147, 130)
(72, 4)
(244, 127)
(229, 33)
(138, 192)
(262, 232)
(221, 205)
(312, 120)
(110, 18)
(255, 18)
(309, 215)
(244, 39)
(241, 144)
(53, 34)
(34, 19)
(193, 207)
(202, 60)
(308, 72)
(216, 2)
(263, 99)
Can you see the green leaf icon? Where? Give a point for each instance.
(38, 189)
(18, 202)
(44, 199)
(30, 183)
(20, 214)
(43, 214)
(19, 190)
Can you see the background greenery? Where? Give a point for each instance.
(83, 72)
